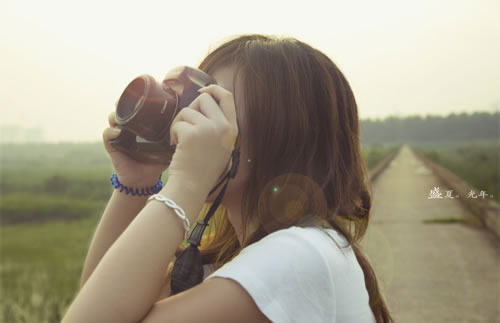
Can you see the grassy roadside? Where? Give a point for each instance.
(478, 163)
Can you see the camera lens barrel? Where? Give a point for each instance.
(146, 108)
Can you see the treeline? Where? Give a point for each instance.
(417, 129)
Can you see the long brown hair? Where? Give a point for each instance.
(302, 119)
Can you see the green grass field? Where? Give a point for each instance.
(41, 265)
(52, 197)
(476, 162)
(374, 154)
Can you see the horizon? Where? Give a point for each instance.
(20, 140)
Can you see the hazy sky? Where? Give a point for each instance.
(65, 63)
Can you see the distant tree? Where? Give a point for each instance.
(431, 128)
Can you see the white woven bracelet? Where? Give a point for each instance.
(178, 210)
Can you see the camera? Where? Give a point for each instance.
(146, 108)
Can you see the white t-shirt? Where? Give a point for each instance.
(298, 274)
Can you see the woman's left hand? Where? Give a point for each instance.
(205, 133)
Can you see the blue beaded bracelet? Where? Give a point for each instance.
(136, 191)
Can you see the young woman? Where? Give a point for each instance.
(284, 246)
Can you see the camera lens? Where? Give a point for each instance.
(131, 98)
(146, 108)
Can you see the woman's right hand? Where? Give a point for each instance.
(131, 173)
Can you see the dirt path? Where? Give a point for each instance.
(430, 272)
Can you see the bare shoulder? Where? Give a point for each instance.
(214, 300)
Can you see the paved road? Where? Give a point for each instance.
(429, 272)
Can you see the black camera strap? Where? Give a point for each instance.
(188, 267)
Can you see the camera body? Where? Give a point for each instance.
(146, 109)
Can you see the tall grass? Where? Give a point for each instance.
(477, 163)
(375, 153)
(40, 268)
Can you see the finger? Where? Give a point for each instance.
(227, 106)
(178, 130)
(111, 119)
(206, 105)
(186, 115)
(110, 134)
(189, 115)
(225, 99)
